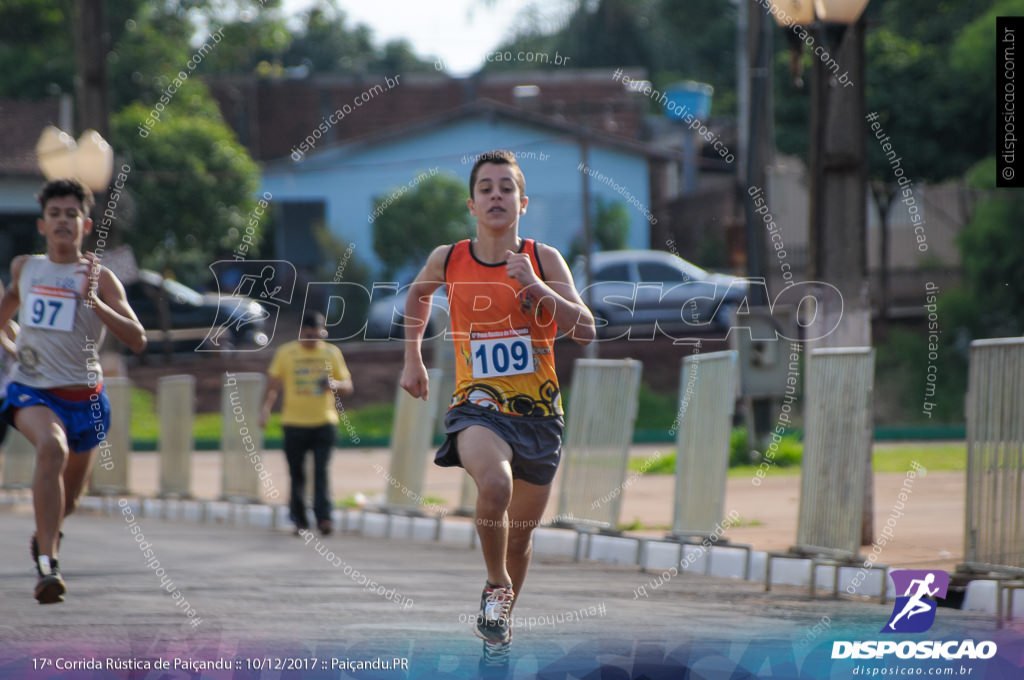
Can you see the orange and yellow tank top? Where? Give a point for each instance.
(504, 340)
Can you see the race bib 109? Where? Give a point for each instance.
(494, 357)
(49, 308)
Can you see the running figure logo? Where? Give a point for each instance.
(272, 287)
(912, 613)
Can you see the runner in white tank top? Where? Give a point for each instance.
(65, 301)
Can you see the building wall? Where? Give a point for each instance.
(348, 178)
(272, 117)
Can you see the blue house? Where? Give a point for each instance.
(336, 185)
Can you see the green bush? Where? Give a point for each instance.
(788, 452)
(739, 453)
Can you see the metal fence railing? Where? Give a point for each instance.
(994, 509)
(707, 397)
(110, 469)
(176, 409)
(837, 445)
(599, 431)
(411, 439)
(241, 436)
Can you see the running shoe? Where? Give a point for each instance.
(34, 548)
(50, 587)
(495, 660)
(494, 624)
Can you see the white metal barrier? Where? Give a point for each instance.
(599, 432)
(241, 437)
(467, 496)
(411, 440)
(993, 527)
(837, 448)
(19, 461)
(707, 398)
(110, 469)
(837, 451)
(176, 411)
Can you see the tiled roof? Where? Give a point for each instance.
(21, 123)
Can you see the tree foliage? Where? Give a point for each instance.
(195, 186)
(323, 41)
(990, 302)
(611, 228)
(929, 68)
(672, 40)
(412, 222)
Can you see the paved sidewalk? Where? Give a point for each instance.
(259, 593)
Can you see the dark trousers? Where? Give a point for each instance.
(297, 441)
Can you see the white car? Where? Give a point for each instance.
(653, 289)
(385, 318)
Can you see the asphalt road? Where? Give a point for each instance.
(255, 598)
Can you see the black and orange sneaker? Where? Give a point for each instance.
(494, 663)
(50, 587)
(34, 548)
(494, 623)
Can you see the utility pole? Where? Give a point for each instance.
(838, 224)
(590, 350)
(92, 43)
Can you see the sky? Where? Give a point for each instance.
(460, 32)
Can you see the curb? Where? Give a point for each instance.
(659, 557)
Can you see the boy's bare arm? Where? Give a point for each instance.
(11, 299)
(417, 312)
(557, 293)
(110, 303)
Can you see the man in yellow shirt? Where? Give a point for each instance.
(311, 371)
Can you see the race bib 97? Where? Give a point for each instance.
(49, 308)
(503, 356)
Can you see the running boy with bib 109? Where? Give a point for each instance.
(65, 302)
(508, 298)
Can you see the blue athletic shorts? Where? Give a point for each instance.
(86, 422)
(536, 442)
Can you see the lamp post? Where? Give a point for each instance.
(90, 160)
(837, 168)
(837, 158)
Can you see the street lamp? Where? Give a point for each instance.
(837, 157)
(837, 165)
(90, 160)
(844, 12)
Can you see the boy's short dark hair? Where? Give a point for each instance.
(498, 157)
(313, 320)
(57, 188)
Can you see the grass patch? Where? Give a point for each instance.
(351, 501)
(664, 464)
(373, 421)
(787, 454)
(638, 525)
(144, 424)
(932, 456)
(773, 471)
